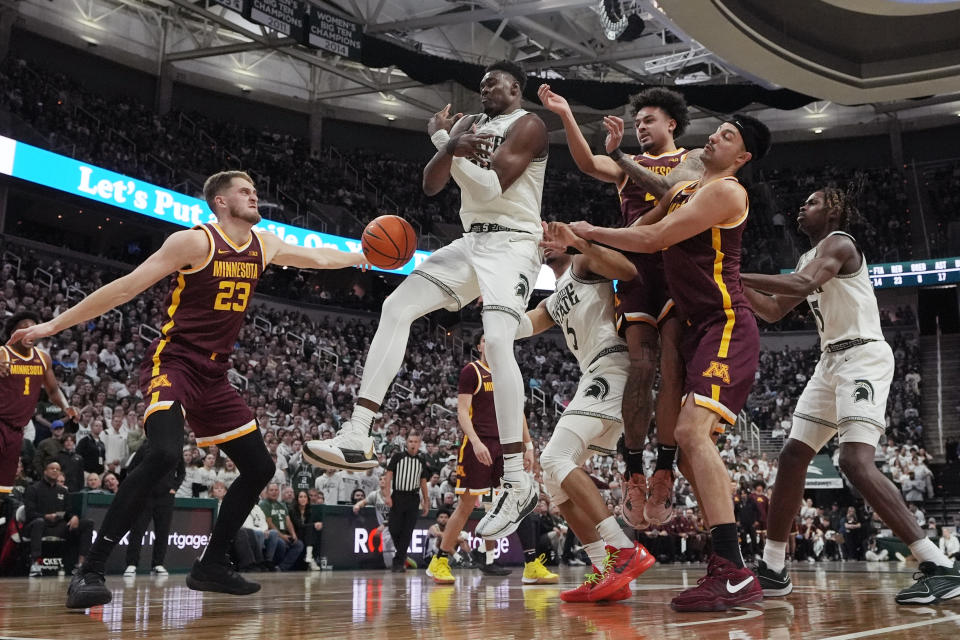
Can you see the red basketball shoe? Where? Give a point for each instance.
(725, 586)
(621, 566)
(634, 500)
(582, 593)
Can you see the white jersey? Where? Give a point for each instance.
(584, 310)
(845, 306)
(519, 206)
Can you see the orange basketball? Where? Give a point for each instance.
(389, 242)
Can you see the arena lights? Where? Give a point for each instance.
(39, 166)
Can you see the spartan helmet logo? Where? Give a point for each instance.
(862, 390)
(599, 388)
(523, 287)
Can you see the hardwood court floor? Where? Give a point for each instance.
(832, 601)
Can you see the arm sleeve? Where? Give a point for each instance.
(483, 184)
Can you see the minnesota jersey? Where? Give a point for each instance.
(475, 379)
(205, 310)
(519, 206)
(634, 199)
(703, 272)
(20, 390)
(584, 311)
(845, 307)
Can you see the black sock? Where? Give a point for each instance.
(529, 555)
(634, 461)
(725, 544)
(164, 431)
(442, 554)
(665, 457)
(256, 469)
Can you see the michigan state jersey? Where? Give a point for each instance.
(519, 206)
(845, 307)
(583, 308)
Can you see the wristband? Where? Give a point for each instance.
(440, 139)
(529, 445)
(616, 154)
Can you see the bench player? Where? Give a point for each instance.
(498, 159)
(217, 267)
(847, 394)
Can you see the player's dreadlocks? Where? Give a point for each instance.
(844, 202)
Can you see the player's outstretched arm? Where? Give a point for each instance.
(770, 308)
(183, 248)
(594, 259)
(602, 168)
(720, 202)
(535, 321)
(831, 256)
(276, 251)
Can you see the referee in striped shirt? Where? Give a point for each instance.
(407, 476)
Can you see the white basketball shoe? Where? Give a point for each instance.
(517, 500)
(350, 449)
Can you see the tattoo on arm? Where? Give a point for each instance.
(653, 183)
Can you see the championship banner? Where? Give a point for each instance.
(332, 33)
(288, 17)
(236, 5)
(821, 474)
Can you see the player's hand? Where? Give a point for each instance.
(483, 454)
(471, 144)
(558, 236)
(33, 333)
(72, 413)
(552, 101)
(614, 126)
(442, 120)
(582, 228)
(424, 509)
(527, 459)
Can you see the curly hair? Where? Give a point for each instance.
(17, 318)
(672, 103)
(843, 201)
(515, 69)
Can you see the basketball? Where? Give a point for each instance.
(389, 242)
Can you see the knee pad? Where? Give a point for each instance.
(560, 457)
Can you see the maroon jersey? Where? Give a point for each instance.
(205, 310)
(762, 505)
(476, 380)
(703, 272)
(634, 199)
(20, 391)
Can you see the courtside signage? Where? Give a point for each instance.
(66, 174)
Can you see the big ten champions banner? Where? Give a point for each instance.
(189, 534)
(352, 541)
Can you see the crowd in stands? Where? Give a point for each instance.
(121, 134)
(301, 373)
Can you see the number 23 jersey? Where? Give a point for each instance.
(206, 308)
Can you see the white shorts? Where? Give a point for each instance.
(600, 396)
(847, 393)
(501, 266)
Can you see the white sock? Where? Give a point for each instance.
(513, 467)
(596, 551)
(489, 553)
(925, 551)
(362, 418)
(775, 555)
(612, 534)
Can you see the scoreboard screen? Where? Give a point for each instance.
(917, 273)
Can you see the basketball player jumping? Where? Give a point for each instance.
(25, 369)
(583, 307)
(498, 159)
(847, 394)
(479, 467)
(644, 306)
(184, 376)
(701, 223)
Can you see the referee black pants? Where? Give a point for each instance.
(403, 520)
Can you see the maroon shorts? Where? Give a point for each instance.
(472, 475)
(214, 410)
(645, 298)
(11, 443)
(720, 354)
